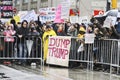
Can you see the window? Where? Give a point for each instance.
(17, 2)
(44, 0)
(34, 0)
(25, 1)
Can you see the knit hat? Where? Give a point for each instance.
(82, 29)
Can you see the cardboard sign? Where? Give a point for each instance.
(22, 13)
(31, 15)
(47, 14)
(58, 50)
(118, 14)
(6, 8)
(83, 19)
(65, 9)
(74, 19)
(110, 20)
(89, 38)
(58, 15)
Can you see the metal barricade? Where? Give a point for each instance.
(82, 55)
(27, 48)
(115, 56)
(103, 52)
(108, 53)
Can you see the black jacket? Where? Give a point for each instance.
(24, 32)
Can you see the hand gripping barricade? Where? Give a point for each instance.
(25, 50)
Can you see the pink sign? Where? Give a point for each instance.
(58, 15)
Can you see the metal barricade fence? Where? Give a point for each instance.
(80, 52)
(22, 49)
(103, 52)
(115, 56)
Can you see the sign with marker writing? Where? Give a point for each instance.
(58, 50)
(6, 7)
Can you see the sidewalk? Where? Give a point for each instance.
(53, 73)
(19, 75)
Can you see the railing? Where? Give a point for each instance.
(102, 52)
(22, 49)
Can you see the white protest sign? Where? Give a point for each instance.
(89, 38)
(22, 13)
(46, 18)
(73, 4)
(118, 14)
(31, 15)
(58, 50)
(110, 20)
(74, 19)
(114, 19)
(107, 22)
(65, 9)
(83, 19)
(47, 14)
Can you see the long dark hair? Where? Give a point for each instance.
(23, 23)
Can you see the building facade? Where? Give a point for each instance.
(86, 7)
(23, 5)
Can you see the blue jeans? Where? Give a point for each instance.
(22, 51)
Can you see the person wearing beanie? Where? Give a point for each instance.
(49, 32)
(81, 33)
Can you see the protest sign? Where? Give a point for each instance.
(47, 14)
(89, 38)
(22, 13)
(110, 20)
(114, 19)
(73, 4)
(65, 9)
(16, 18)
(58, 50)
(83, 19)
(107, 22)
(74, 19)
(58, 15)
(118, 14)
(31, 15)
(6, 8)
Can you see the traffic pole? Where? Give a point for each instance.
(114, 4)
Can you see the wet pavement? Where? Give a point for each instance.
(15, 72)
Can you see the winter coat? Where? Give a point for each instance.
(24, 32)
(45, 41)
(9, 35)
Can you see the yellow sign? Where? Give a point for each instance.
(16, 18)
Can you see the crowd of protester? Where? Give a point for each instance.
(44, 30)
